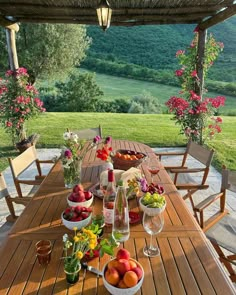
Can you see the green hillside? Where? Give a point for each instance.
(119, 87)
(154, 47)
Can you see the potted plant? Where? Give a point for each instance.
(19, 102)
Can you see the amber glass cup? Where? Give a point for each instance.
(43, 252)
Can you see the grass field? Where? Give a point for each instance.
(117, 87)
(154, 130)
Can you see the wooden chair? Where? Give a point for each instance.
(10, 200)
(89, 133)
(221, 195)
(203, 158)
(222, 233)
(19, 164)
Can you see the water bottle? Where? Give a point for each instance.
(120, 225)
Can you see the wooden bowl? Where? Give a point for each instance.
(125, 164)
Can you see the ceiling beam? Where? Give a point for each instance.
(219, 17)
(19, 9)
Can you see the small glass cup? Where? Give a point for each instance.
(43, 252)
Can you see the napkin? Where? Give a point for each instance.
(130, 174)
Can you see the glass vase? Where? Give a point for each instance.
(72, 174)
(72, 273)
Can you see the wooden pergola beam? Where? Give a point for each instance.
(202, 35)
(11, 48)
(218, 18)
(72, 11)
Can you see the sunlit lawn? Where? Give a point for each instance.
(154, 130)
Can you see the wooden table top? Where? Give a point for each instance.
(187, 264)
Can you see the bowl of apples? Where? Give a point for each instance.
(123, 275)
(154, 199)
(80, 197)
(76, 217)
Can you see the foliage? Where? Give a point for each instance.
(18, 103)
(149, 47)
(144, 104)
(48, 49)
(192, 112)
(79, 94)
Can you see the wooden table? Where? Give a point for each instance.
(187, 265)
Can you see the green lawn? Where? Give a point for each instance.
(117, 87)
(154, 130)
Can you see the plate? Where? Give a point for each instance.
(134, 217)
(96, 191)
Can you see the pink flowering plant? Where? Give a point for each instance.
(19, 102)
(195, 114)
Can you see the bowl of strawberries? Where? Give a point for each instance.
(80, 197)
(77, 216)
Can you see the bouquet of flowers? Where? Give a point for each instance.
(73, 153)
(83, 242)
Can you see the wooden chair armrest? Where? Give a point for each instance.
(191, 186)
(170, 154)
(30, 182)
(169, 168)
(187, 170)
(208, 201)
(46, 161)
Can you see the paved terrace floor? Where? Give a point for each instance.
(214, 180)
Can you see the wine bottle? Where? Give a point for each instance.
(120, 225)
(109, 198)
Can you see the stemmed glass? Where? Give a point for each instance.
(153, 169)
(153, 223)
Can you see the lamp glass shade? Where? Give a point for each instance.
(104, 15)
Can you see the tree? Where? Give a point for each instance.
(145, 103)
(46, 49)
(79, 94)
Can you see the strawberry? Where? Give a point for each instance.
(84, 215)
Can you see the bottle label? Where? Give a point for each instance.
(108, 215)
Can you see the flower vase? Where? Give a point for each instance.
(106, 166)
(72, 273)
(72, 173)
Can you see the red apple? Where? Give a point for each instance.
(77, 188)
(88, 195)
(123, 254)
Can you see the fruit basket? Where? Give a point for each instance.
(125, 159)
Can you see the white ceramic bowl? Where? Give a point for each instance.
(86, 204)
(151, 211)
(79, 224)
(118, 291)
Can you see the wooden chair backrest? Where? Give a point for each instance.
(228, 180)
(89, 133)
(200, 153)
(23, 161)
(3, 187)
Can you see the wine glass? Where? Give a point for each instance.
(153, 223)
(153, 169)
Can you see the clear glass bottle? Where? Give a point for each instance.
(109, 198)
(120, 225)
